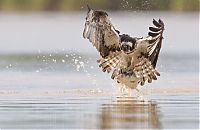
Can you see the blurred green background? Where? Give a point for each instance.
(71, 5)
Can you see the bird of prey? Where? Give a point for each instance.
(131, 60)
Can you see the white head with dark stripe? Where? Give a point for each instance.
(127, 43)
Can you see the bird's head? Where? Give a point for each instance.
(127, 43)
(127, 47)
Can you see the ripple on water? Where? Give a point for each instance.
(169, 111)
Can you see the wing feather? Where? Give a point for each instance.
(101, 33)
(147, 51)
(144, 71)
(155, 41)
(110, 62)
(137, 66)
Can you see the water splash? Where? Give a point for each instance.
(63, 61)
(85, 67)
(79, 65)
(136, 5)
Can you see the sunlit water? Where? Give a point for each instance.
(51, 89)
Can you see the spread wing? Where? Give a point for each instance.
(101, 33)
(143, 59)
(155, 41)
(145, 55)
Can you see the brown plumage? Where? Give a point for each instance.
(132, 61)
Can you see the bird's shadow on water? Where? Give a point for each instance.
(128, 112)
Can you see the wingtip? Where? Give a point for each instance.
(88, 7)
(161, 22)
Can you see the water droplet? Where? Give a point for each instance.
(54, 60)
(75, 61)
(99, 90)
(78, 67)
(81, 63)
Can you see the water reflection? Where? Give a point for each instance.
(93, 112)
(129, 113)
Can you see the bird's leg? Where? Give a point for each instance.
(121, 89)
(129, 92)
(125, 91)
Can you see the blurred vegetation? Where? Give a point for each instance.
(65, 5)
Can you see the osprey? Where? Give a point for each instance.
(131, 60)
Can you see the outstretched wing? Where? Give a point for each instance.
(101, 33)
(143, 59)
(145, 55)
(155, 41)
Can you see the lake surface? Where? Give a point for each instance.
(68, 91)
(47, 84)
(99, 112)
